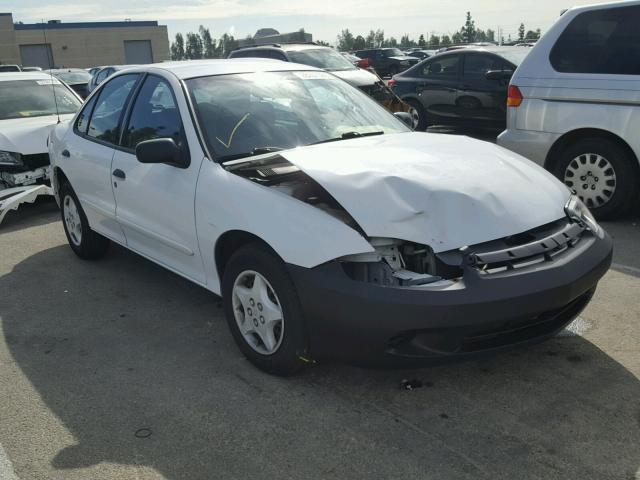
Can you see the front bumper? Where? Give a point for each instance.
(356, 321)
(530, 144)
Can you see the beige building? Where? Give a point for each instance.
(81, 45)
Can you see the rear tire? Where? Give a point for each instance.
(277, 346)
(601, 173)
(85, 243)
(421, 113)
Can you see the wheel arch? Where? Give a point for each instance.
(587, 133)
(230, 242)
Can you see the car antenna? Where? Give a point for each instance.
(50, 61)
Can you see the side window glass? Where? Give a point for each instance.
(603, 41)
(101, 76)
(105, 120)
(445, 67)
(154, 114)
(476, 66)
(82, 123)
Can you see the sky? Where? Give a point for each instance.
(324, 19)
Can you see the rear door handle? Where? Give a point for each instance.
(65, 153)
(119, 174)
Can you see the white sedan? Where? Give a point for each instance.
(31, 104)
(329, 228)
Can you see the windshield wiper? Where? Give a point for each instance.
(348, 135)
(252, 153)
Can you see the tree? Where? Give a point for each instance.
(421, 41)
(491, 35)
(379, 38)
(405, 41)
(226, 45)
(434, 41)
(345, 41)
(457, 38)
(177, 48)
(371, 39)
(468, 31)
(521, 32)
(193, 49)
(323, 43)
(359, 43)
(208, 43)
(445, 41)
(392, 42)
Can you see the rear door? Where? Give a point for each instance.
(89, 150)
(155, 202)
(438, 85)
(482, 100)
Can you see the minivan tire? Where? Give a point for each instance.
(85, 243)
(622, 164)
(290, 356)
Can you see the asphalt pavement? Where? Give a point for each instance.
(119, 369)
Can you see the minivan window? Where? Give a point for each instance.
(105, 119)
(154, 114)
(605, 41)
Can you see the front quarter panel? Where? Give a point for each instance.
(300, 233)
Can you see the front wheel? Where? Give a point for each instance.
(601, 173)
(263, 311)
(418, 115)
(86, 243)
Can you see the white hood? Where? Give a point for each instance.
(440, 190)
(28, 136)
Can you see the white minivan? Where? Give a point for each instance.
(575, 105)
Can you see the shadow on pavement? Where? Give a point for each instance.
(138, 365)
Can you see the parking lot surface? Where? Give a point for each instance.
(120, 369)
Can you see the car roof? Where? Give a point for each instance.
(12, 76)
(203, 68)
(66, 70)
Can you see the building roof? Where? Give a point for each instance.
(203, 68)
(62, 25)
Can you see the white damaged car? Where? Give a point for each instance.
(329, 228)
(31, 104)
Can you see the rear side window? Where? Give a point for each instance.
(82, 123)
(600, 41)
(154, 114)
(105, 120)
(442, 67)
(477, 65)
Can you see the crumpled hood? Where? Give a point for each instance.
(28, 136)
(440, 190)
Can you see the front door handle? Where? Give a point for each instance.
(65, 153)
(119, 174)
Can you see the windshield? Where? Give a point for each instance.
(243, 113)
(393, 52)
(34, 98)
(324, 58)
(74, 77)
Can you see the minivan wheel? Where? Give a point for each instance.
(601, 173)
(86, 243)
(263, 311)
(418, 115)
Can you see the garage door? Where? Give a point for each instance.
(138, 51)
(36, 55)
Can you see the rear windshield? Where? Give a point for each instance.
(74, 77)
(600, 41)
(324, 58)
(35, 98)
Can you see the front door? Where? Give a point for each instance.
(155, 202)
(483, 101)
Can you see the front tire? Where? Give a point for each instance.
(86, 243)
(601, 173)
(420, 122)
(263, 311)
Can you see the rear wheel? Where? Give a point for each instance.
(263, 311)
(601, 173)
(86, 243)
(418, 115)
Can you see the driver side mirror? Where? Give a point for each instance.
(405, 118)
(162, 150)
(499, 74)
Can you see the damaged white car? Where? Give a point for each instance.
(329, 228)
(31, 104)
